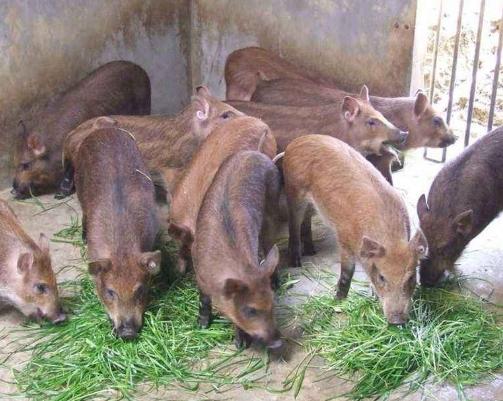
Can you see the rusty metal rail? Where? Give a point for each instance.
(473, 87)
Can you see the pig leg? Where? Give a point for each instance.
(84, 228)
(347, 271)
(296, 212)
(267, 242)
(242, 339)
(204, 310)
(306, 235)
(184, 259)
(66, 186)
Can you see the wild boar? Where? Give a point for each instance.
(120, 225)
(243, 133)
(229, 233)
(27, 280)
(368, 215)
(466, 195)
(166, 144)
(118, 87)
(415, 115)
(353, 120)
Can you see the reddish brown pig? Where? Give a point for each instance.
(230, 231)
(368, 215)
(26, 278)
(166, 143)
(466, 195)
(120, 225)
(118, 87)
(413, 114)
(243, 133)
(353, 120)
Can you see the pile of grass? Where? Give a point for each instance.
(450, 337)
(82, 359)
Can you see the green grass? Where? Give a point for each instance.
(450, 337)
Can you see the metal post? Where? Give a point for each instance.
(496, 76)
(474, 73)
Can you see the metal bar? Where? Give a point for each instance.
(474, 73)
(496, 76)
(435, 57)
(452, 82)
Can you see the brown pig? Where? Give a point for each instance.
(466, 195)
(368, 215)
(120, 224)
(27, 280)
(166, 144)
(415, 115)
(231, 228)
(243, 133)
(352, 120)
(118, 87)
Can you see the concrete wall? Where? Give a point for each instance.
(47, 45)
(353, 41)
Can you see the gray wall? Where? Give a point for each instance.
(352, 41)
(47, 45)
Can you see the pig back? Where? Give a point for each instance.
(232, 213)
(243, 133)
(115, 190)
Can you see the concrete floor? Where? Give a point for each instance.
(482, 259)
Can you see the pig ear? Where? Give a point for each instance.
(151, 261)
(233, 287)
(364, 94)
(203, 91)
(99, 266)
(419, 244)
(201, 107)
(269, 264)
(421, 104)
(103, 122)
(25, 262)
(371, 249)
(43, 243)
(350, 108)
(422, 207)
(35, 144)
(463, 222)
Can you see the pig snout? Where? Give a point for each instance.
(59, 317)
(272, 340)
(402, 137)
(448, 140)
(19, 191)
(397, 318)
(397, 137)
(128, 329)
(429, 274)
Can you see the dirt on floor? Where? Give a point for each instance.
(483, 259)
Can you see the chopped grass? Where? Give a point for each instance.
(450, 337)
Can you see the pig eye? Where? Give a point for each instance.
(371, 122)
(437, 122)
(381, 279)
(41, 288)
(25, 166)
(226, 115)
(110, 293)
(249, 311)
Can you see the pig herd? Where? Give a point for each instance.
(284, 146)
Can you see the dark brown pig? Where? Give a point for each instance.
(415, 115)
(243, 133)
(118, 87)
(352, 120)
(229, 234)
(166, 144)
(120, 224)
(466, 195)
(368, 215)
(26, 278)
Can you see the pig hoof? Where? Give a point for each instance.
(295, 261)
(341, 294)
(60, 195)
(204, 322)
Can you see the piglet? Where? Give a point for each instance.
(242, 133)
(27, 280)
(120, 224)
(368, 215)
(466, 195)
(235, 222)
